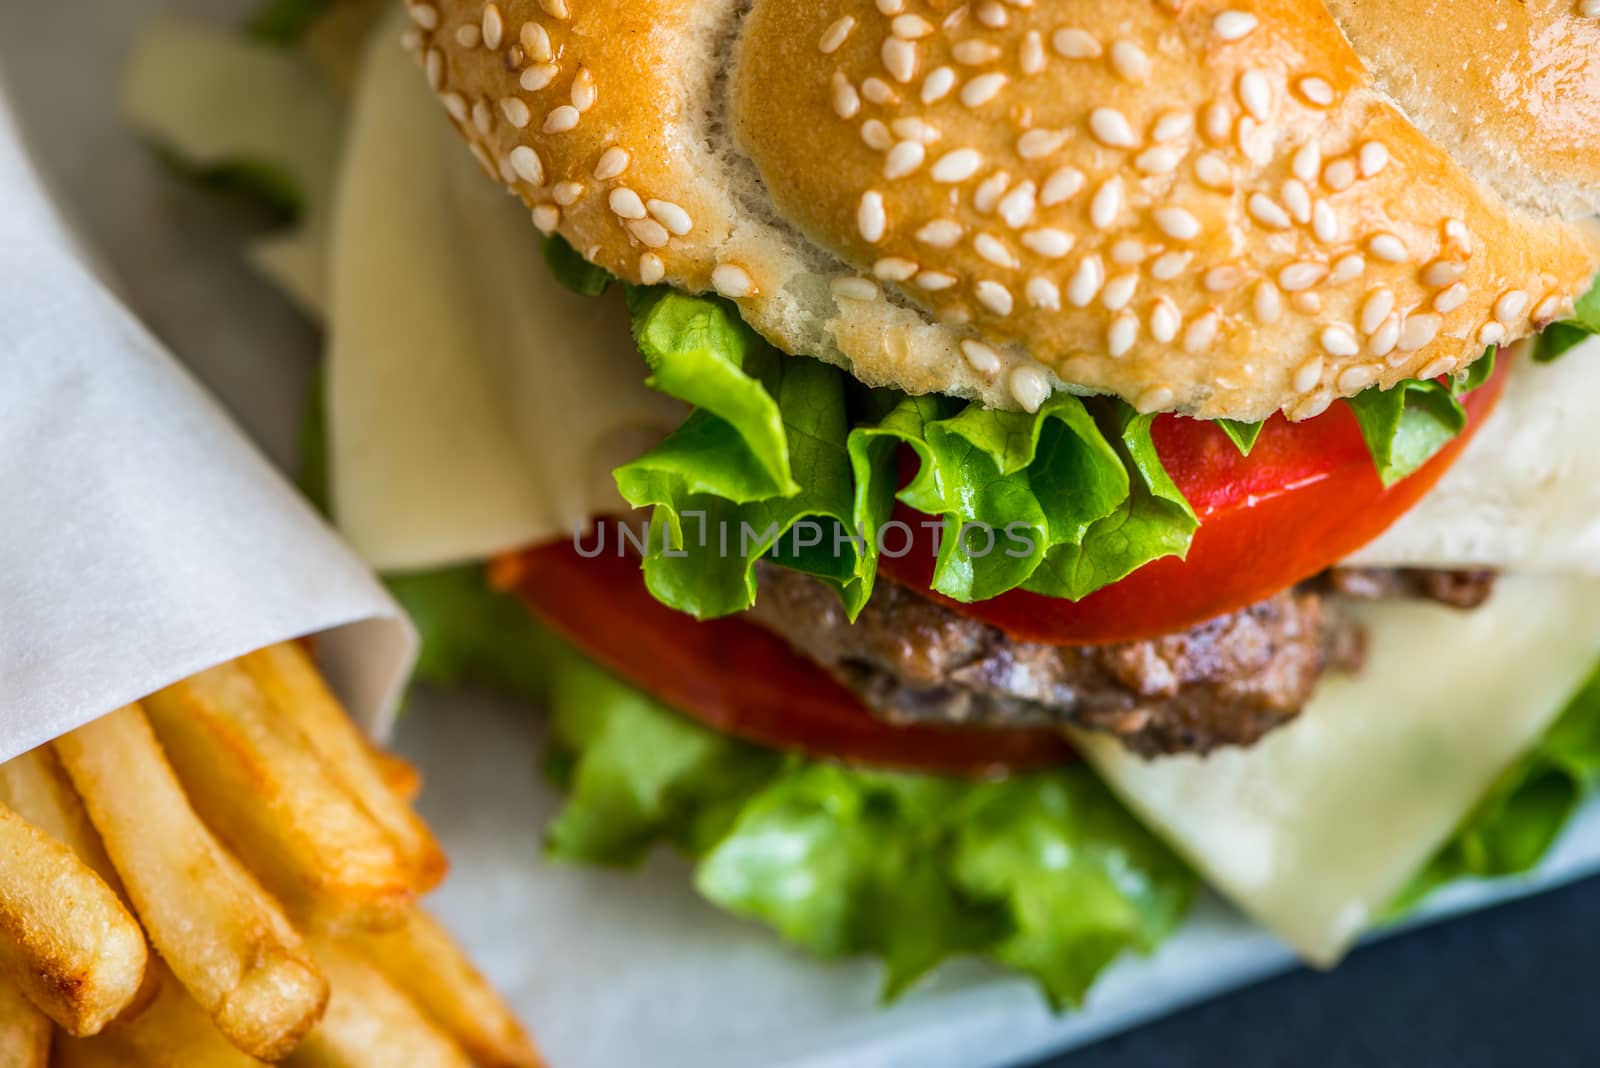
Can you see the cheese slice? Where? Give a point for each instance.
(1315, 828)
(474, 404)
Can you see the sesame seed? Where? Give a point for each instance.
(482, 119)
(1376, 309)
(1017, 207)
(1491, 334)
(986, 198)
(1307, 375)
(1213, 171)
(900, 59)
(1106, 205)
(651, 269)
(538, 77)
(626, 204)
(1170, 265)
(1316, 91)
(1159, 160)
(508, 173)
(994, 296)
(583, 89)
(536, 42)
(903, 159)
(613, 162)
(1548, 309)
(1201, 334)
(1255, 93)
(411, 41)
(1171, 126)
(1085, 283)
(835, 35)
(937, 85)
(425, 16)
(1122, 335)
(1031, 58)
(1165, 321)
(1267, 302)
(1222, 279)
(1036, 144)
(1306, 302)
(1374, 157)
(1062, 185)
(1297, 198)
(894, 268)
(1511, 304)
(1119, 291)
(1325, 223)
(546, 217)
(433, 67)
(1355, 379)
(1128, 252)
(1437, 368)
(494, 27)
(561, 119)
(732, 281)
(941, 233)
(974, 52)
(982, 89)
(876, 135)
(1307, 162)
(1385, 338)
(670, 215)
(566, 194)
(912, 128)
(1388, 248)
(1451, 298)
(1339, 175)
(1419, 330)
(1043, 293)
(1048, 242)
(957, 166)
(1154, 399)
(1348, 268)
(891, 7)
(980, 357)
(1255, 140)
(935, 281)
(525, 161)
(469, 35)
(879, 91)
(992, 249)
(1443, 272)
(455, 104)
(1266, 211)
(1111, 127)
(1030, 387)
(1130, 61)
(871, 218)
(1340, 341)
(1073, 43)
(516, 112)
(853, 288)
(1217, 121)
(1177, 223)
(649, 232)
(1232, 25)
(1301, 276)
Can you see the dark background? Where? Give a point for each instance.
(1517, 985)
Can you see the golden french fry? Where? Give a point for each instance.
(24, 1030)
(402, 776)
(36, 788)
(371, 1022)
(99, 1052)
(66, 939)
(275, 806)
(224, 937)
(424, 961)
(174, 1032)
(304, 703)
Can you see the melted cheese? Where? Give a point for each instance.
(1316, 827)
(475, 404)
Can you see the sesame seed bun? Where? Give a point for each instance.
(1201, 206)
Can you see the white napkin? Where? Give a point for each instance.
(142, 538)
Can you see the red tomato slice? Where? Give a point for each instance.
(1306, 497)
(740, 679)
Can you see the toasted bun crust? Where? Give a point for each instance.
(1530, 70)
(1199, 206)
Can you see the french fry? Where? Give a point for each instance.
(100, 1052)
(371, 1022)
(275, 806)
(401, 775)
(36, 788)
(174, 1032)
(304, 703)
(24, 1030)
(66, 940)
(228, 942)
(423, 960)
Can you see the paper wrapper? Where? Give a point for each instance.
(142, 538)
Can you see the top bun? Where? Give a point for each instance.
(1201, 206)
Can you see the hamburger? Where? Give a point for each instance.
(1106, 444)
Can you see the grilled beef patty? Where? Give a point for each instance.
(1225, 682)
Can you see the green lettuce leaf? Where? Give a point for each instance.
(1406, 426)
(1517, 821)
(573, 271)
(1243, 435)
(1558, 338)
